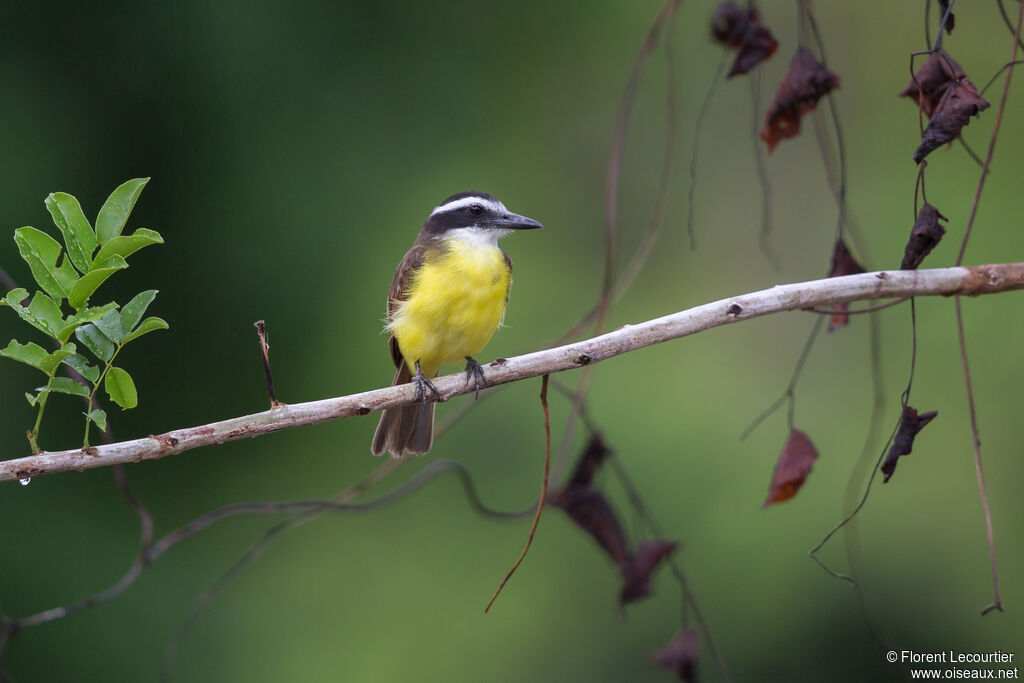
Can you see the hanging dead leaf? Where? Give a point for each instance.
(843, 263)
(591, 511)
(792, 468)
(910, 424)
(637, 569)
(932, 79)
(925, 234)
(959, 103)
(806, 81)
(590, 461)
(743, 29)
(680, 656)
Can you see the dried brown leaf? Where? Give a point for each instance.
(910, 424)
(742, 29)
(843, 263)
(925, 234)
(590, 461)
(806, 81)
(932, 79)
(680, 656)
(959, 103)
(637, 569)
(792, 467)
(591, 511)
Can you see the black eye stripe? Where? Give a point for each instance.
(476, 209)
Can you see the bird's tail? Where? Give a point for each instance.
(404, 430)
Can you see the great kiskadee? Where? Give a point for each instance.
(446, 300)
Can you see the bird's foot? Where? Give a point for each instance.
(423, 385)
(475, 374)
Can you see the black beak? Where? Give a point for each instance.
(513, 221)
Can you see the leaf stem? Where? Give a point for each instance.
(33, 436)
(96, 387)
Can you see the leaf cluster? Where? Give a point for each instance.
(68, 276)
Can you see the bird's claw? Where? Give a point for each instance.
(423, 384)
(475, 374)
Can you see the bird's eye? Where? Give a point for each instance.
(476, 209)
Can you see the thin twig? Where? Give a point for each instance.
(904, 399)
(261, 332)
(967, 281)
(1009, 24)
(787, 395)
(612, 184)
(543, 491)
(762, 171)
(996, 603)
(7, 281)
(840, 191)
(705, 105)
(857, 311)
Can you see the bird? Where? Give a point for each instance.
(447, 299)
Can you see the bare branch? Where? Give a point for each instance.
(960, 281)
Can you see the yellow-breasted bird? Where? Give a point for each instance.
(446, 300)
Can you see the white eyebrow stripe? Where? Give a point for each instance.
(497, 207)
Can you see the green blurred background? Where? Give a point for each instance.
(296, 148)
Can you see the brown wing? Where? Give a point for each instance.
(508, 262)
(411, 262)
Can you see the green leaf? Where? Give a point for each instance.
(110, 326)
(66, 385)
(81, 365)
(101, 270)
(99, 417)
(31, 354)
(47, 312)
(79, 239)
(150, 324)
(54, 359)
(16, 296)
(87, 315)
(41, 252)
(29, 317)
(95, 341)
(31, 398)
(133, 311)
(126, 245)
(114, 212)
(121, 388)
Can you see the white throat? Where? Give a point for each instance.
(476, 237)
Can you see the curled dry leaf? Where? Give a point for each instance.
(925, 234)
(806, 81)
(792, 468)
(680, 655)
(960, 102)
(931, 81)
(910, 424)
(945, 94)
(843, 263)
(742, 29)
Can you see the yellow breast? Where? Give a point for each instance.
(454, 304)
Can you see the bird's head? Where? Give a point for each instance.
(477, 216)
